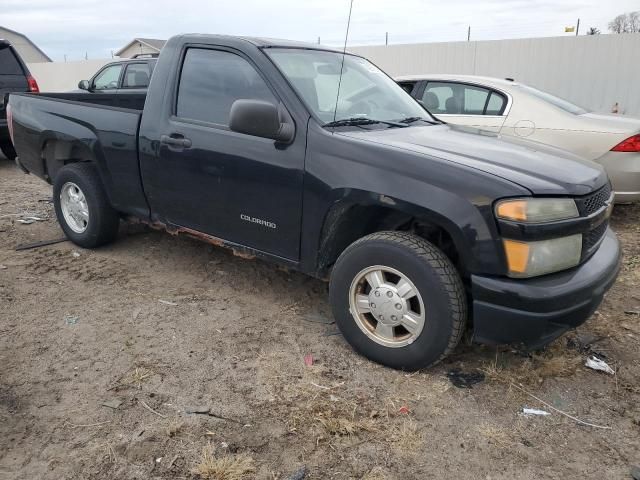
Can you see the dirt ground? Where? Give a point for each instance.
(158, 326)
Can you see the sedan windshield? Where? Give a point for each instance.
(367, 95)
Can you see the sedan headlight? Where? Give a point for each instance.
(536, 210)
(530, 259)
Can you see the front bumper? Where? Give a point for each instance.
(533, 312)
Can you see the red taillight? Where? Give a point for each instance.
(631, 144)
(33, 85)
(10, 122)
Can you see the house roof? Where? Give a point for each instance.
(152, 43)
(27, 40)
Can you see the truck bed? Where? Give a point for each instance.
(52, 128)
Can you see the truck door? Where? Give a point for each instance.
(241, 188)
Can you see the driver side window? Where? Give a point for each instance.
(108, 78)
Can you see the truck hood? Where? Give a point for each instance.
(542, 169)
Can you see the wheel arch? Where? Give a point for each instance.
(361, 213)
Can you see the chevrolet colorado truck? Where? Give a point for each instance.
(320, 162)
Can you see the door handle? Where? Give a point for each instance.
(175, 140)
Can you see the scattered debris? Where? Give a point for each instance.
(632, 312)
(308, 360)
(298, 474)
(583, 342)
(71, 320)
(43, 243)
(581, 422)
(75, 254)
(158, 460)
(635, 472)
(534, 411)
(200, 409)
(136, 313)
(167, 302)
(29, 219)
(173, 460)
(404, 410)
(115, 403)
(596, 364)
(460, 379)
(3, 267)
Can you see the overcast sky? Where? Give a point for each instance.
(98, 27)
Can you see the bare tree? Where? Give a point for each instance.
(625, 23)
(593, 31)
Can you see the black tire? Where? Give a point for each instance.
(8, 150)
(435, 278)
(103, 223)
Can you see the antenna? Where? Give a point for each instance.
(344, 50)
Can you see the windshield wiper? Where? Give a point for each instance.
(416, 119)
(357, 121)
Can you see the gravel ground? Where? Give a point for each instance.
(157, 326)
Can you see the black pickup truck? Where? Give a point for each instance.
(321, 163)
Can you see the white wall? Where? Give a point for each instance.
(64, 76)
(593, 71)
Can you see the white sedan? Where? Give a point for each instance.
(512, 108)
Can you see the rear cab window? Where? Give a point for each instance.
(452, 98)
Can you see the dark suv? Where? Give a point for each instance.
(14, 77)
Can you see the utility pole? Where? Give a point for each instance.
(318, 40)
(386, 38)
(469, 33)
(65, 58)
(577, 27)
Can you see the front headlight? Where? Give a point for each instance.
(530, 259)
(536, 210)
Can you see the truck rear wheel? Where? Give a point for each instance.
(398, 300)
(82, 207)
(8, 150)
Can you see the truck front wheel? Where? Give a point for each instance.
(82, 207)
(398, 300)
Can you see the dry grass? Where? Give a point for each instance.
(555, 361)
(223, 467)
(174, 427)
(407, 437)
(496, 435)
(138, 376)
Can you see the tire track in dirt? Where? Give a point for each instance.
(85, 268)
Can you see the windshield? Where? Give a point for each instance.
(365, 91)
(553, 100)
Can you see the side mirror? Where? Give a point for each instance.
(83, 84)
(260, 119)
